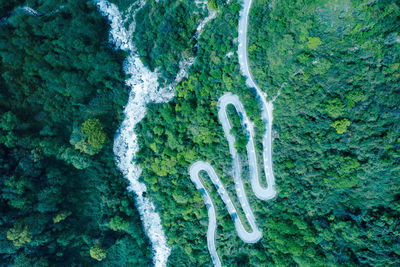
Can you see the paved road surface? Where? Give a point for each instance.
(266, 107)
(261, 192)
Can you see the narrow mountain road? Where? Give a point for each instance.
(266, 107)
(260, 192)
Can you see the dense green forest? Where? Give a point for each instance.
(337, 128)
(63, 202)
(336, 135)
(164, 35)
(335, 65)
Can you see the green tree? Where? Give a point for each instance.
(118, 224)
(212, 4)
(19, 234)
(335, 108)
(8, 121)
(313, 43)
(97, 253)
(89, 138)
(94, 131)
(61, 216)
(341, 125)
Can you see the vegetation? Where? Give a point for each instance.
(63, 203)
(164, 35)
(336, 128)
(175, 135)
(335, 66)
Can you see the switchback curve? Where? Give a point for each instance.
(262, 193)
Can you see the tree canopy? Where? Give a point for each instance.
(336, 136)
(61, 100)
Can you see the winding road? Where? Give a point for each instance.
(262, 193)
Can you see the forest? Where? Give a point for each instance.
(337, 127)
(63, 202)
(335, 66)
(164, 35)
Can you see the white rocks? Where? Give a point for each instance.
(229, 54)
(144, 89)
